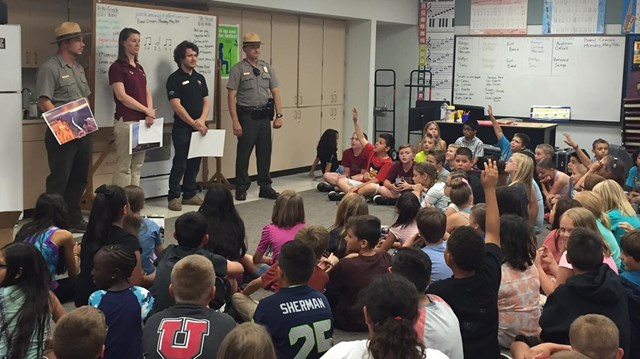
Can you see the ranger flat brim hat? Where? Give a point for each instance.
(251, 38)
(68, 30)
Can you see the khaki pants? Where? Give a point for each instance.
(244, 305)
(127, 166)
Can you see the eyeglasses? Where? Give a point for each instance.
(2, 265)
(354, 138)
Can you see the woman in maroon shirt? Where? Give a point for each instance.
(133, 103)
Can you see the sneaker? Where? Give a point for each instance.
(335, 196)
(193, 201)
(268, 193)
(175, 205)
(383, 201)
(79, 227)
(241, 195)
(325, 187)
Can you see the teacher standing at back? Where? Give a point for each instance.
(133, 103)
(252, 95)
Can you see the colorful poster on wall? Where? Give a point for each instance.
(498, 17)
(630, 17)
(436, 32)
(573, 17)
(228, 49)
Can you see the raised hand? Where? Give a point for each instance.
(570, 142)
(354, 114)
(489, 177)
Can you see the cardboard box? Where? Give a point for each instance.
(7, 223)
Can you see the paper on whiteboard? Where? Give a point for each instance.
(210, 145)
(151, 134)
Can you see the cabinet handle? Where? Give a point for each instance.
(35, 54)
(27, 53)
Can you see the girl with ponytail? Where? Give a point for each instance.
(106, 220)
(390, 318)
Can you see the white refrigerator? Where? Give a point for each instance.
(11, 181)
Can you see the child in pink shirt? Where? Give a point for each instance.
(286, 220)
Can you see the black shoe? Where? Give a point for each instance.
(79, 227)
(325, 187)
(268, 193)
(241, 195)
(335, 196)
(383, 201)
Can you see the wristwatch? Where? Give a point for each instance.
(278, 115)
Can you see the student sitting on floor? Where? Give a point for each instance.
(326, 153)
(450, 157)
(431, 226)
(554, 183)
(461, 197)
(437, 325)
(355, 271)
(472, 292)
(376, 171)
(544, 151)
(428, 188)
(125, 307)
(470, 140)
(193, 287)
(355, 162)
(80, 334)
(437, 158)
(519, 142)
(296, 307)
(594, 288)
(591, 336)
(391, 320)
(428, 144)
(287, 219)
(405, 225)
(191, 235)
(464, 162)
(317, 238)
(398, 179)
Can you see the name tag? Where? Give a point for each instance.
(265, 70)
(246, 73)
(65, 76)
(185, 82)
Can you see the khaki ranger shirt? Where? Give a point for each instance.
(252, 90)
(61, 83)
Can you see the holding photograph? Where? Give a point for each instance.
(71, 121)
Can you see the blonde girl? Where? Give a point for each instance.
(351, 205)
(520, 168)
(432, 130)
(461, 196)
(593, 202)
(428, 189)
(287, 219)
(617, 207)
(573, 218)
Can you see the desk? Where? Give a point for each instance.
(538, 132)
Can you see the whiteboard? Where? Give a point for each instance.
(516, 72)
(160, 32)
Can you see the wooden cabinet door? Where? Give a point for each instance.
(333, 49)
(332, 117)
(284, 142)
(307, 135)
(45, 17)
(19, 15)
(284, 56)
(260, 23)
(310, 62)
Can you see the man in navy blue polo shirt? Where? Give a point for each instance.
(189, 98)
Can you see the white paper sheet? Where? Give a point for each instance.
(210, 145)
(151, 134)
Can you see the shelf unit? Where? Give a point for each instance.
(381, 111)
